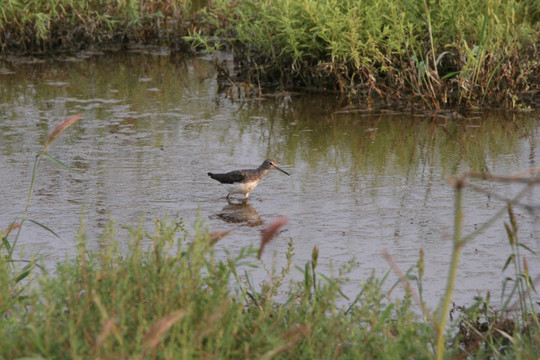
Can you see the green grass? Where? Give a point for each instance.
(174, 300)
(52, 25)
(417, 53)
(167, 296)
(443, 53)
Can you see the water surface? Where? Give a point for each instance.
(361, 181)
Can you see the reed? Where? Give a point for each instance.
(18, 275)
(423, 54)
(169, 297)
(523, 283)
(437, 54)
(51, 25)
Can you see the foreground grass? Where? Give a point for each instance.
(443, 53)
(167, 296)
(174, 300)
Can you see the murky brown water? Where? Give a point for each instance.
(360, 182)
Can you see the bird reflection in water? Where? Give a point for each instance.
(240, 212)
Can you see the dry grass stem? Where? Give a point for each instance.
(10, 228)
(106, 329)
(155, 332)
(215, 236)
(501, 197)
(59, 129)
(268, 233)
(408, 286)
(530, 176)
(293, 337)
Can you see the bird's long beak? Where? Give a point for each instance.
(283, 171)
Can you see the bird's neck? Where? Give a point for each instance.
(263, 170)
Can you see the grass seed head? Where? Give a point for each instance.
(59, 129)
(268, 233)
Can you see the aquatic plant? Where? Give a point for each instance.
(435, 54)
(52, 25)
(414, 53)
(10, 247)
(523, 283)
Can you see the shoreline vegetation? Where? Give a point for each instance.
(166, 296)
(400, 53)
(47, 27)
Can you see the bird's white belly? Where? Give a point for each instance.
(241, 188)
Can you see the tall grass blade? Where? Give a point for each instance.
(57, 131)
(44, 227)
(59, 163)
(24, 272)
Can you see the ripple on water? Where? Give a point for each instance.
(361, 181)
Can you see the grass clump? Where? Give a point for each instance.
(438, 54)
(52, 25)
(168, 297)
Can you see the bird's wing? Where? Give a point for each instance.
(228, 178)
